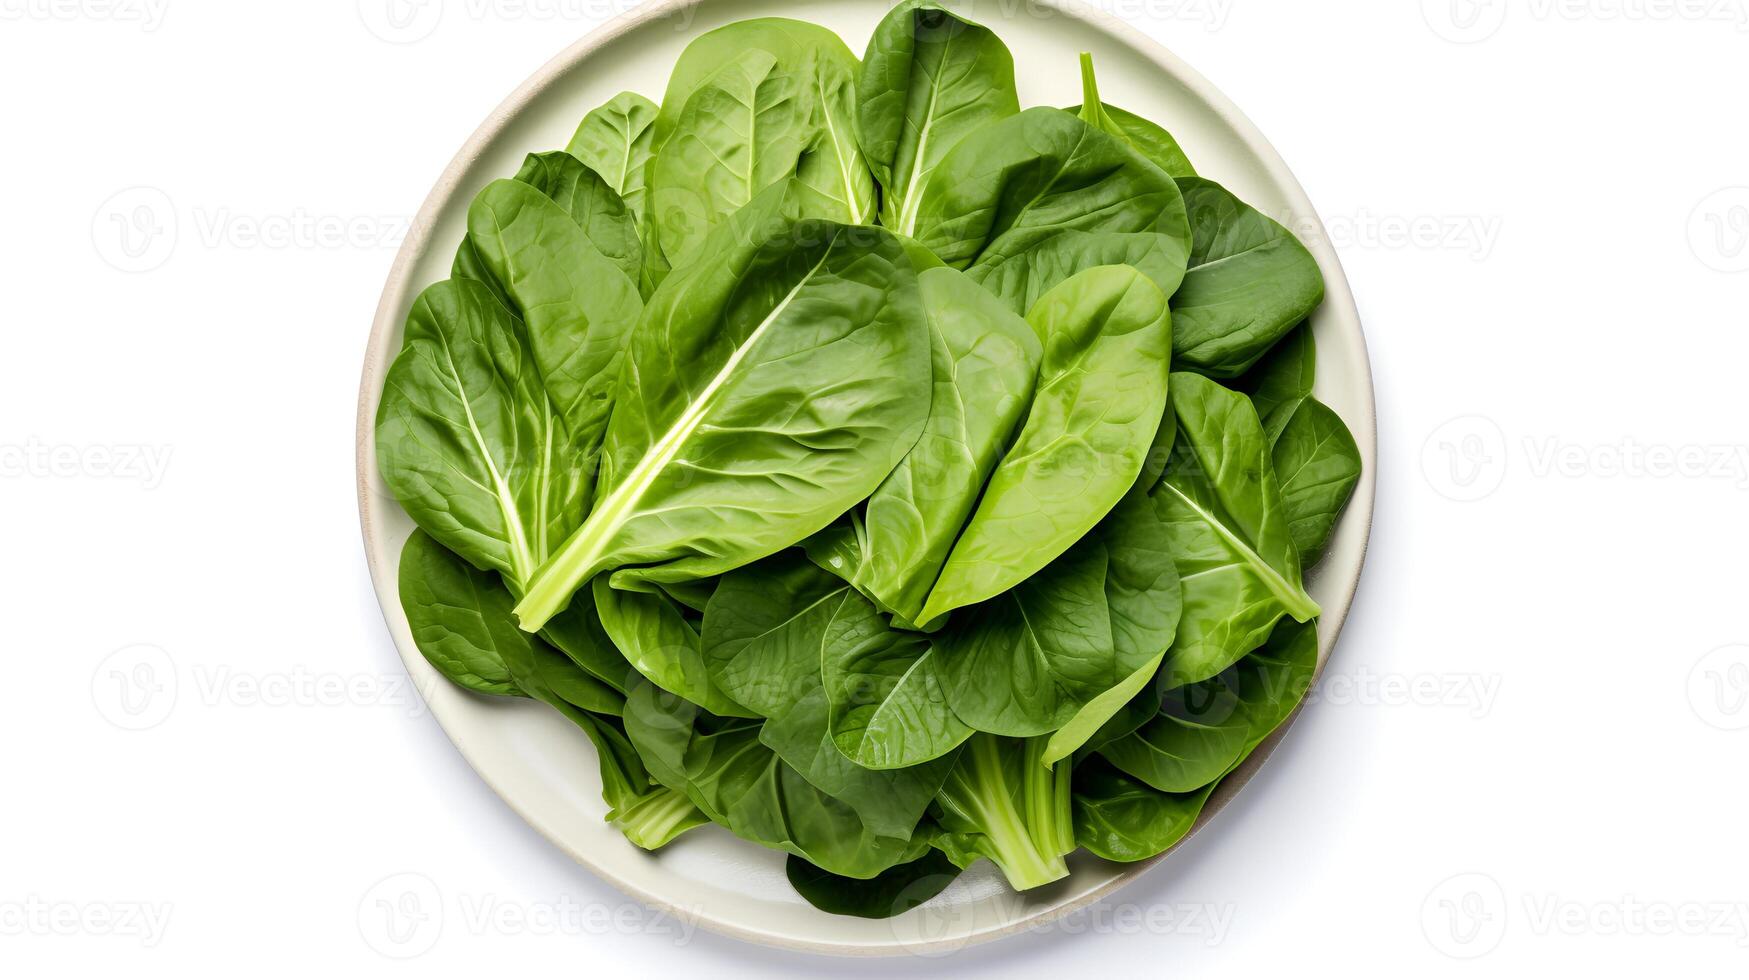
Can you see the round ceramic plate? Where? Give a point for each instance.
(541, 765)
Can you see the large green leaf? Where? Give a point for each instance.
(459, 616)
(1229, 530)
(984, 362)
(661, 644)
(1101, 394)
(928, 79)
(468, 440)
(1099, 617)
(888, 704)
(1025, 202)
(578, 303)
(615, 141)
(1250, 280)
(1318, 465)
(894, 891)
(833, 163)
(766, 391)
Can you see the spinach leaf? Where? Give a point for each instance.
(745, 786)
(1249, 282)
(615, 141)
(764, 629)
(834, 164)
(1023, 203)
(1099, 617)
(984, 362)
(887, 701)
(1229, 531)
(1318, 464)
(928, 79)
(894, 891)
(579, 304)
(1101, 394)
(1146, 138)
(1121, 818)
(1003, 803)
(782, 629)
(890, 803)
(459, 616)
(661, 644)
(469, 441)
(1282, 381)
(766, 391)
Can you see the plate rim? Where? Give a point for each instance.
(1338, 301)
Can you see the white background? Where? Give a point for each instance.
(213, 763)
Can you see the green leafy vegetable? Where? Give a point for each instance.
(766, 391)
(1146, 138)
(1101, 393)
(835, 445)
(1229, 531)
(1250, 280)
(928, 80)
(1025, 202)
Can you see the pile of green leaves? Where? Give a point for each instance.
(888, 474)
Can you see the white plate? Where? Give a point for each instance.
(541, 765)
